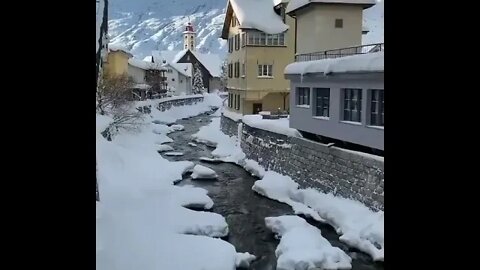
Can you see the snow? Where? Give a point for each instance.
(193, 197)
(254, 168)
(244, 259)
(173, 154)
(179, 112)
(296, 4)
(358, 226)
(192, 144)
(164, 148)
(141, 222)
(212, 62)
(226, 146)
(202, 172)
(171, 57)
(258, 14)
(144, 64)
(117, 47)
(233, 115)
(145, 25)
(369, 62)
(302, 246)
(177, 127)
(280, 126)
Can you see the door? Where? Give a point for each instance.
(257, 107)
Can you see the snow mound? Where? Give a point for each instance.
(177, 127)
(302, 246)
(162, 129)
(243, 260)
(192, 144)
(357, 225)
(206, 223)
(164, 148)
(254, 168)
(193, 197)
(227, 148)
(280, 126)
(162, 138)
(173, 154)
(202, 172)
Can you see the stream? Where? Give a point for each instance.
(243, 209)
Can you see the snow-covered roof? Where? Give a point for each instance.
(296, 4)
(171, 58)
(144, 64)
(258, 14)
(117, 47)
(369, 62)
(212, 62)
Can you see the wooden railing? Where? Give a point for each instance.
(376, 47)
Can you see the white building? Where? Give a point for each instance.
(179, 75)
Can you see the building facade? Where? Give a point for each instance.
(337, 89)
(256, 58)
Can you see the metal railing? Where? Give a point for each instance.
(376, 47)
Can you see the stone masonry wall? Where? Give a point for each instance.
(165, 105)
(228, 126)
(311, 164)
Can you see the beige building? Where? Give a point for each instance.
(260, 43)
(117, 61)
(328, 24)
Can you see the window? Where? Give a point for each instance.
(230, 44)
(303, 96)
(265, 70)
(376, 107)
(235, 101)
(237, 42)
(262, 39)
(230, 71)
(185, 46)
(244, 36)
(185, 37)
(243, 70)
(234, 21)
(173, 79)
(229, 100)
(237, 105)
(352, 105)
(338, 23)
(237, 69)
(322, 103)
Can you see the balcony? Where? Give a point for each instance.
(364, 49)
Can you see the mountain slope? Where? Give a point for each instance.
(146, 25)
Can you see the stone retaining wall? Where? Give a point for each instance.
(346, 173)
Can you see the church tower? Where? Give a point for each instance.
(189, 37)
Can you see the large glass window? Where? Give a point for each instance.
(322, 102)
(303, 96)
(376, 107)
(352, 105)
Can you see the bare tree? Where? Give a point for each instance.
(114, 98)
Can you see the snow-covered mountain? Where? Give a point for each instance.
(145, 25)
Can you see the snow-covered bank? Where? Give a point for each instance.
(227, 147)
(303, 247)
(356, 224)
(141, 219)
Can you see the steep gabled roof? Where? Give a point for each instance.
(254, 14)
